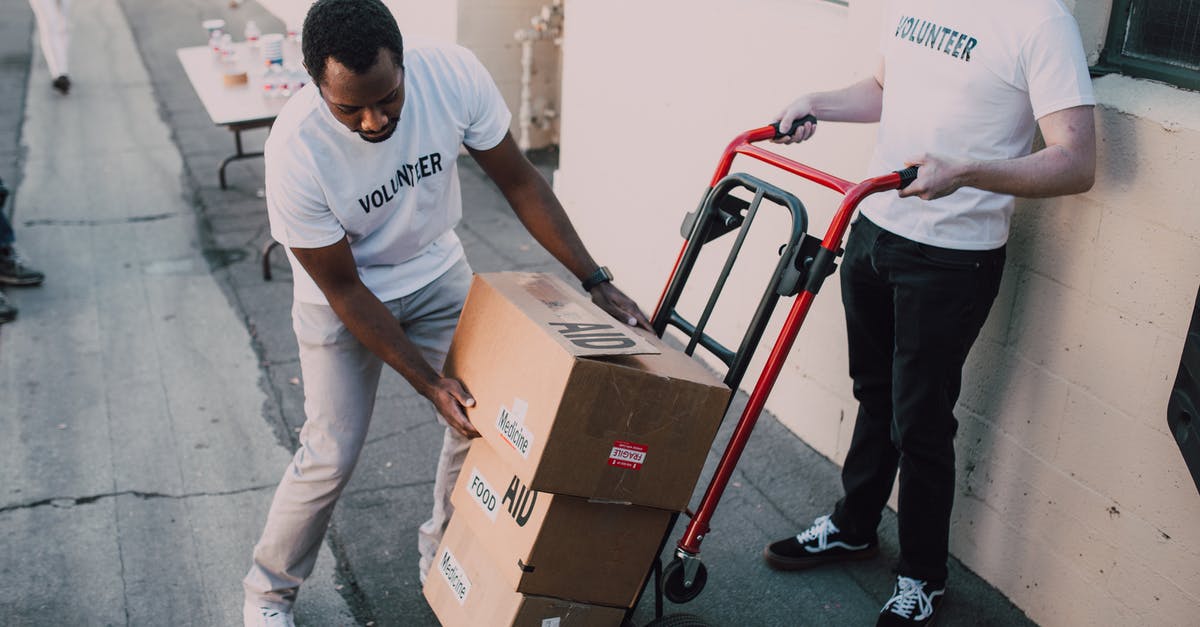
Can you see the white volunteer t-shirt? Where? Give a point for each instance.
(396, 201)
(969, 79)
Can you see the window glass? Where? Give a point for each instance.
(1156, 39)
(1165, 31)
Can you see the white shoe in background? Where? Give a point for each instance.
(254, 616)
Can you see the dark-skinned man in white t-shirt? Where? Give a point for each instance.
(363, 192)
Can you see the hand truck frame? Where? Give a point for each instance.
(804, 264)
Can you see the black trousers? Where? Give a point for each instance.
(912, 313)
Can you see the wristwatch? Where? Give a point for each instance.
(601, 275)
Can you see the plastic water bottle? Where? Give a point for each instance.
(277, 82)
(214, 44)
(273, 78)
(213, 25)
(215, 28)
(291, 44)
(273, 81)
(252, 33)
(225, 48)
(299, 78)
(285, 83)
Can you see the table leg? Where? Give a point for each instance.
(240, 154)
(266, 258)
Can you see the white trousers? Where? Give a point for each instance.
(54, 32)
(340, 381)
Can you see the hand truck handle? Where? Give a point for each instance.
(852, 192)
(796, 124)
(907, 175)
(744, 145)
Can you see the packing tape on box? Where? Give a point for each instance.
(570, 610)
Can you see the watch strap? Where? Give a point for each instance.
(601, 275)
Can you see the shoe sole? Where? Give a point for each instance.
(779, 562)
(20, 282)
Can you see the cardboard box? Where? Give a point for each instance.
(556, 545)
(573, 401)
(465, 589)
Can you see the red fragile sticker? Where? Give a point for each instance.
(627, 455)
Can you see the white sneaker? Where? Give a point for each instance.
(254, 616)
(912, 604)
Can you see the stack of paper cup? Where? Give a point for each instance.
(272, 48)
(213, 25)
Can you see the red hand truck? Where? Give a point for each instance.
(804, 264)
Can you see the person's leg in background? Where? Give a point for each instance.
(54, 33)
(13, 270)
(8, 312)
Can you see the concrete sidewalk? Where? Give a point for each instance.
(138, 465)
(149, 393)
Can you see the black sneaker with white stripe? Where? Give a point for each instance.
(912, 604)
(14, 270)
(820, 544)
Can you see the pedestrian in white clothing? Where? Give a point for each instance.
(54, 33)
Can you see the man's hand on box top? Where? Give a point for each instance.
(618, 305)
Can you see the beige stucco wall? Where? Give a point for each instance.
(1073, 498)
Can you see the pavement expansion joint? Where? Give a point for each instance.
(104, 222)
(72, 501)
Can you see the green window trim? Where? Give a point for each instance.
(1114, 60)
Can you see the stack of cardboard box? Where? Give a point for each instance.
(593, 435)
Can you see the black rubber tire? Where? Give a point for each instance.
(678, 620)
(673, 587)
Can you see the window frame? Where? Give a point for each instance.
(1113, 61)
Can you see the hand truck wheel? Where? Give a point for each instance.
(675, 587)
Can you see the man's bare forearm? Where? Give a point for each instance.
(544, 217)
(535, 205)
(369, 320)
(1067, 165)
(859, 102)
(1052, 171)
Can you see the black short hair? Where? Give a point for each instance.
(351, 32)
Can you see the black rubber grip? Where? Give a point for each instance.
(907, 175)
(795, 126)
